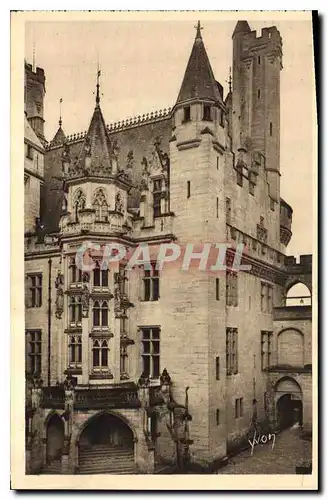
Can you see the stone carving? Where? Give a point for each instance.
(85, 298)
(118, 203)
(59, 283)
(262, 232)
(130, 161)
(87, 146)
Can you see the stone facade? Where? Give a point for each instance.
(206, 170)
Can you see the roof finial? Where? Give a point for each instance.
(98, 85)
(198, 28)
(60, 112)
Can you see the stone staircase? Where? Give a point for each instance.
(53, 468)
(106, 459)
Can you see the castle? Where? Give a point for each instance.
(131, 371)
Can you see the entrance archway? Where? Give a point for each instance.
(106, 445)
(289, 403)
(55, 438)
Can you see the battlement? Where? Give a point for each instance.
(37, 75)
(268, 36)
(305, 261)
(270, 41)
(128, 123)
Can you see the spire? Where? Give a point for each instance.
(98, 86)
(60, 118)
(198, 81)
(241, 27)
(59, 136)
(198, 33)
(95, 157)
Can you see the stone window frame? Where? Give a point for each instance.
(75, 311)
(100, 348)
(151, 280)
(33, 351)
(232, 351)
(100, 314)
(266, 348)
(75, 350)
(33, 290)
(151, 337)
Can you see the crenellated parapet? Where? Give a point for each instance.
(117, 126)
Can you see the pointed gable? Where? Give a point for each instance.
(198, 81)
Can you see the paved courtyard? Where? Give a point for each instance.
(289, 451)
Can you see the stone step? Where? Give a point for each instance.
(53, 468)
(130, 470)
(106, 454)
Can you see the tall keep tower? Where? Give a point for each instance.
(34, 97)
(256, 97)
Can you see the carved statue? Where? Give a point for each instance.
(85, 298)
(59, 295)
(87, 146)
(130, 160)
(118, 203)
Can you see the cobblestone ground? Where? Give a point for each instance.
(290, 450)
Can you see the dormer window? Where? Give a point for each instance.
(207, 113)
(186, 114)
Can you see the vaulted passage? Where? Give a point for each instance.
(55, 439)
(106, 445)
(289, 403)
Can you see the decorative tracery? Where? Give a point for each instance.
(100, 205)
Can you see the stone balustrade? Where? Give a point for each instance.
(86, 223)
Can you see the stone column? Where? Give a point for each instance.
(85, 299)
(66, 461)
(85, 351)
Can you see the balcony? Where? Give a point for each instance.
(53, 397)
(122, 396)
(116, 223)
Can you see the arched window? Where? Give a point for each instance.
(75, 274)
(75, 310)
(75, 350)
(100, 354)
(100, 313)
(298, 295)
(79, 202)
(100, 205)
(100, 276)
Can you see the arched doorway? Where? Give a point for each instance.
(106, 445)
(289, 403)
(55, 438)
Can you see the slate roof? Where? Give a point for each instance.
(198, 80)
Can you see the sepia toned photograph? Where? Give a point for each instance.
(169, 220)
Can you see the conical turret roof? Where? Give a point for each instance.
(95, 157)
(198, 81)
(241, 27)
(59, 136)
